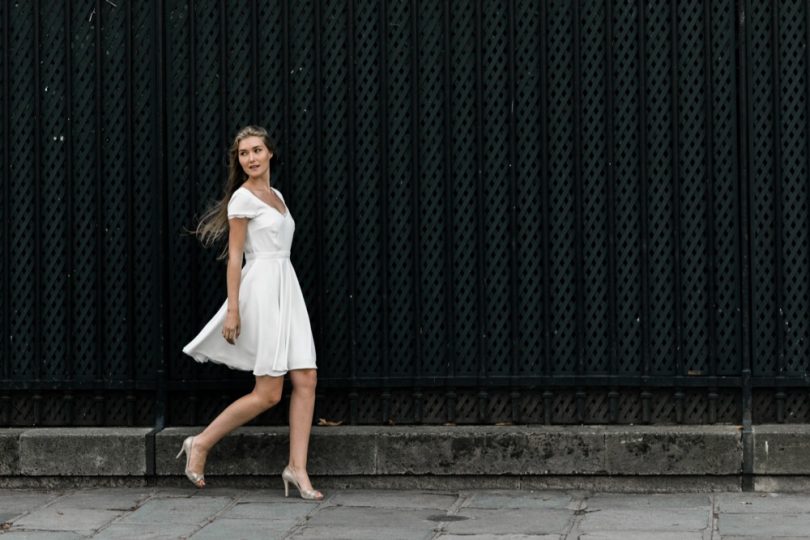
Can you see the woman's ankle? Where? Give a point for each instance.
(200, 445)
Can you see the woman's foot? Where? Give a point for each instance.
(195, 461)
(300, 479)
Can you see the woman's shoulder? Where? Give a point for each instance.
(242, 204)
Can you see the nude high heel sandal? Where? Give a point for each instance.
(196, 479)
(289, 478)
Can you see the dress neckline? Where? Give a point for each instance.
(282, 214)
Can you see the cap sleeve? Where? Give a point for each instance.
(242, 206)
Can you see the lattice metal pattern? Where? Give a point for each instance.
(627, 112)
(563, 220)
(779, 140)
(144, 215)
(595, 206)
(300, 157)
(793, 138)
(495, 200)
(25, 265)
(83, 209)
(5, 356)
(53, 188)
(82, 281)
(337, 175)
(399, 292)
(431, 191)
(464, 162)
(529, 126)
(722, 286)
(495, 192)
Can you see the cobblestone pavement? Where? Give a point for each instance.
(153, 513)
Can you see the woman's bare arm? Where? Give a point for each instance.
(236, 245)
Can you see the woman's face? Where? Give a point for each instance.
(254, 157)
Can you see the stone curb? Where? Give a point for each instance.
(400, 450)
(82, 452)
(474, 450)
(415, 451)
(782, 449)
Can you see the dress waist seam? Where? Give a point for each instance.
(268, 255)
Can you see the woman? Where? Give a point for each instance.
(263, 327)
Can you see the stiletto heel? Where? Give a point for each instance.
(288, 477)
(196, 479)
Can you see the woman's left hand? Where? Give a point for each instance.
(230, 330)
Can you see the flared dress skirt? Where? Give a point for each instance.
(275, 335)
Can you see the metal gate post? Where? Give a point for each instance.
(161, 184)
(744, 202)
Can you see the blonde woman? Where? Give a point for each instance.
(263, 327)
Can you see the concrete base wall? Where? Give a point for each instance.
(645, 458)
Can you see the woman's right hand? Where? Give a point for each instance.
(231, 327)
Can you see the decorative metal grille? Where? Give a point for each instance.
(507, 210)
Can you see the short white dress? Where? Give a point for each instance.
(275, 335)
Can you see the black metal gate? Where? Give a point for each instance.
(507, 211)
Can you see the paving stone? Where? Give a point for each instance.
(626, 484)
(119, 499)
(192, 510)
(648, 501)
(244, 529)
(735, 537)
(510, 521)
(362, 518)
(212, 491)
(394, 499)
(360, 514)
(500, 537)
(276, 497)
(646, 519)
(52, 518)
(41, 535)
(355, 533)
(84, 510)
(747, 503)
(763, 525)
(518, 499)
(190, 491)
(267, 511)
(642, 535)
(141, 531)
(17, 501)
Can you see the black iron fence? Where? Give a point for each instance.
(507, 211)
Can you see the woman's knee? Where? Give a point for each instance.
(267, 398)
(304, 379)
(268, 392)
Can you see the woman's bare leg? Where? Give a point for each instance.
(302, 407)
(265, 394)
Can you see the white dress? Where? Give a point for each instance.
(275, 333)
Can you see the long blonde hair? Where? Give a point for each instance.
(213, 225)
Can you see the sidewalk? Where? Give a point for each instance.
(220, 513)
